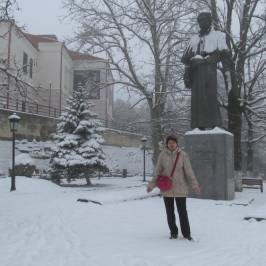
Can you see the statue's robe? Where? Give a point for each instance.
(212, 47)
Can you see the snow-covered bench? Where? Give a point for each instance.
(252, 182)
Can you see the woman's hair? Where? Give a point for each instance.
(171, 137)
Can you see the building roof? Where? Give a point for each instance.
(51, 38)
(36, 39)
(82, 56)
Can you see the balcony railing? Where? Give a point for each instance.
(28, 107)
(9, 103)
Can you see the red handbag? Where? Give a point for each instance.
(164, 183)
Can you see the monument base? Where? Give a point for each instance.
(211, 154)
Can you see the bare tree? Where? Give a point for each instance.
(255, 106)
(13, 85)
(7, 8)
(10, 76)
(128, 117)
(245, 40)
(176, 117)
(142, 39)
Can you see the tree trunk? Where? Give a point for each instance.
(88, 181)
(250, 148)
(250, 157)
(234, 126)
(235, 111)
(156, 131)
(214, 14)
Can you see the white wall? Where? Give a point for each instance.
(67, 76)
(18, 45)
(49, 68)
(4, 40)
(103, 106)
(49, 65)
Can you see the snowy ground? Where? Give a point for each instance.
(43, 225)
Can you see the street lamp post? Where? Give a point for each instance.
(144, 141)
(13, 121)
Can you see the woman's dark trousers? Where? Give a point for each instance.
(182, 212)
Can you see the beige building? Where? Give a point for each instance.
(49, 71)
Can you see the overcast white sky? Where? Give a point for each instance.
(43, 17)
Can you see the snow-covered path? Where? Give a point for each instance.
(43, 225)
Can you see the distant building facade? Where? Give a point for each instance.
(50, 72)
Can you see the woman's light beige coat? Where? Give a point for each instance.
(183, 177)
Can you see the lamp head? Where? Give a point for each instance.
(13, 122)
(144, 140)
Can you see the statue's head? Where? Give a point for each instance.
(205, 21)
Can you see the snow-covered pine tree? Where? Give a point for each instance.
(77, 152)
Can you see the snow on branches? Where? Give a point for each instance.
(78, 152)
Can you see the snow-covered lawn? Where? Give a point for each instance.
(117, 158)
(43, 225)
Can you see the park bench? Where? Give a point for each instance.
(251, 182)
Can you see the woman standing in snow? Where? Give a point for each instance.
(183, 176)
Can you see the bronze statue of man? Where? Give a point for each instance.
(201, 59)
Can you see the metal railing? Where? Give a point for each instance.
(28, 107)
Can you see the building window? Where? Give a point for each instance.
(90, 79)
(25, 63)
(31, 67)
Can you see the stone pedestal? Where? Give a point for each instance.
(211, 154)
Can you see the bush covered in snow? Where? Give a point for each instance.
(77, 152)
(24, 165)
(2, 173)
(36, 149)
